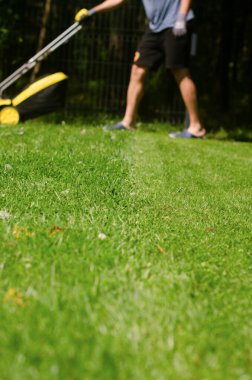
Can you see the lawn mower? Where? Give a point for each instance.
(43, 96)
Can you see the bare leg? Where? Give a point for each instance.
(134, 95)
(189, 94)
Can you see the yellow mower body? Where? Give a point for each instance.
(41, 97)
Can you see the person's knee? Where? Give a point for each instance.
(180, 73)
(138, 73)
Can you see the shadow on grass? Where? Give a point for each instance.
(238, 135)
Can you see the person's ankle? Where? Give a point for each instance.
(128, 124)
(195, 128)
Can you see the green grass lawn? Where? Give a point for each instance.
(124, 255)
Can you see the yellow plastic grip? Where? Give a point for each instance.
(81, 15)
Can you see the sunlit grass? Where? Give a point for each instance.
(123, 256)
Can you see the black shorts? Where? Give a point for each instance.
(164, 47)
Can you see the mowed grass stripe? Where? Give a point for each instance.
(200, 213)
(194, 187)
(163, 295)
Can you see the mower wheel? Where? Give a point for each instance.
(9, 116)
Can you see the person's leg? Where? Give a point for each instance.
(189, 94)
(147, 56)
(134, 95)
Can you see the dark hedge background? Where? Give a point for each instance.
(98, 59)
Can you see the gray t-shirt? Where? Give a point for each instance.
(162, 14)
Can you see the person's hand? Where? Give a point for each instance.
(81, 15)
(179, 28)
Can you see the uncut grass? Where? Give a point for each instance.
(165, 295)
